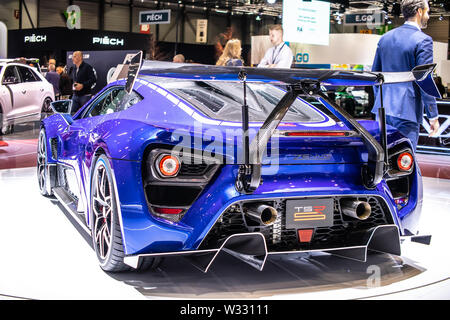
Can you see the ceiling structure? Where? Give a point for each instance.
(274, 7)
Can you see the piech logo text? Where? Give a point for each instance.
(108, 41)
(154, 17)
(35, 38)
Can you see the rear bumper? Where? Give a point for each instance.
(144, 234)
(251, 248)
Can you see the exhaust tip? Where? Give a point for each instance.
(268, 215)
(363, 210)
(262, 214)
(360, 210)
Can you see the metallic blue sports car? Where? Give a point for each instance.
(194, 160)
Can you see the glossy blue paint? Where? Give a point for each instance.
(307, 166)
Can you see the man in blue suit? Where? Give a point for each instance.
(399, 50)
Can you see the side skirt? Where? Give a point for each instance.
(71, 206)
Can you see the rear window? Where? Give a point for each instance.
(223, 100)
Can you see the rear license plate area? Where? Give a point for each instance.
(309, 213)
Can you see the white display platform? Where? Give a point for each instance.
(44, 255)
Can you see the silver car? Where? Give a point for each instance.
(25, 95)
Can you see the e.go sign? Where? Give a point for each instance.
(302, 58)
(364, 18)
(154, 17)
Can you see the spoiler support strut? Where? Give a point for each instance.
(249, 176)
(382, 121)
(245, 169)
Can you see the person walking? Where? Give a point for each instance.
(280, 55)
(231, 55)
(53, 77)
(402, 49)
(65, 83)
(83, 79)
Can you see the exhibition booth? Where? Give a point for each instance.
(55, 42)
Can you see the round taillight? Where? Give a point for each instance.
(169, 166)
(405, 161)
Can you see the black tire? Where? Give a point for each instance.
(4, 130)
(149, 263)
(8, 129)
(106, 232)
(43, 172)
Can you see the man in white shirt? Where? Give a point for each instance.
(280, 55)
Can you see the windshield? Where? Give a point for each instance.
(223, 100)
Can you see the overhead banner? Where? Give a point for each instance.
(370, 19)
(154, 17)
(306, 21)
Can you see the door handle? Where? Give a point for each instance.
(42, 89)
(24, 91)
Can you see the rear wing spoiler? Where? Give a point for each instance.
(420, 74)
(298, 81)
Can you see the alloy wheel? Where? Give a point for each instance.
(102, 211)
(42, 163)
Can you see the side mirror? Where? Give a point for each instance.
(62, 106)
(10, 80)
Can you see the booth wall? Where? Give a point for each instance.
(7, 8)
(50, 13)
(117, 18)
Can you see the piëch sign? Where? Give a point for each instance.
(35, 38)
(154, 17)
(107, 41)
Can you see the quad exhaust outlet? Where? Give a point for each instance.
(261, 214)
(360, 210)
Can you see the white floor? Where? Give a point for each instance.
(43, 255)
